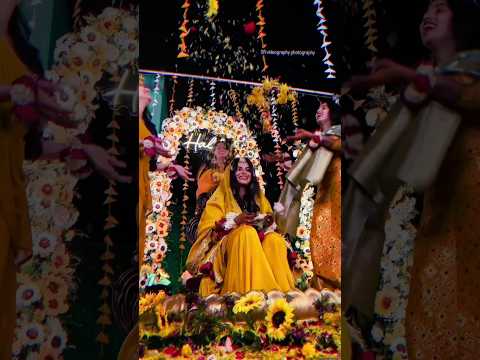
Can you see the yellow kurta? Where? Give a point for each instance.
(443, 313)
(241, 261)
(144, 194)
(326, 232)
(14, 223)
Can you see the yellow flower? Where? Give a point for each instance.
(186, 350)
(283, 95)
(332, 318)
(386, 301)
(308, 350)
(279, 319)
(267, 84)
(247, 303)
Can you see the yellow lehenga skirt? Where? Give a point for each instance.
(247, 264)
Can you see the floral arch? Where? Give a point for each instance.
(185, 122)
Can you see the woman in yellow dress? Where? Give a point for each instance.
(237, 248)
(209, 176)
(440, 108)
(325, 241)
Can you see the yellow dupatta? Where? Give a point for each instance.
(218, 206)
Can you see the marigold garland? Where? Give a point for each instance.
(261, 32)
(371, 34)
(184, 32)
(172, 99)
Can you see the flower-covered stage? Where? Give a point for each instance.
(296, 325)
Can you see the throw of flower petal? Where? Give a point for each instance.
(322, 27)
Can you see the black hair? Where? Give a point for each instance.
(466, 16)
(147, 119)
(19, 33)
(248, 203)
(335, 110)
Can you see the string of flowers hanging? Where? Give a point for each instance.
(261, 33)
(294, 108)
(234, 97)
(172, 99)
(371, 34)
(212, 96)
(77, 14)
(156, 96)
(184, 32)
(190, 93)
(322, 27)
(183, 222)
(104, 320)
(277, 139)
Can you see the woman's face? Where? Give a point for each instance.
(243, 173)
(221, 151)
(145, 98)
(436, 28)
(323, 116)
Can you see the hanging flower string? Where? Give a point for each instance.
(184, 32)
(277, 139)
(234, 97)
(190, 93)
(294, 107)
(261, 33)
(183, 223)
(212, 96)
(172, 99)
(156, 96)
(302, 243)
(104, 319)
(322, 27)
(370, 17)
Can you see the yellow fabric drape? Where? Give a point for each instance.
(144, 194)
(240, 260)
(14, 223)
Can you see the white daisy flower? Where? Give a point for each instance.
(44, 244)
(26, 295)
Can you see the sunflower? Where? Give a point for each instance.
(279, 319)
(248, 302)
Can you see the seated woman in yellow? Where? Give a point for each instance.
(209, 177)
(237, 248)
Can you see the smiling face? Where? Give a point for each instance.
(221, 152)
(243, 173)
(436, 28)
(323, 116)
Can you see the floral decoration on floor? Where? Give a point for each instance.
(295, 325)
